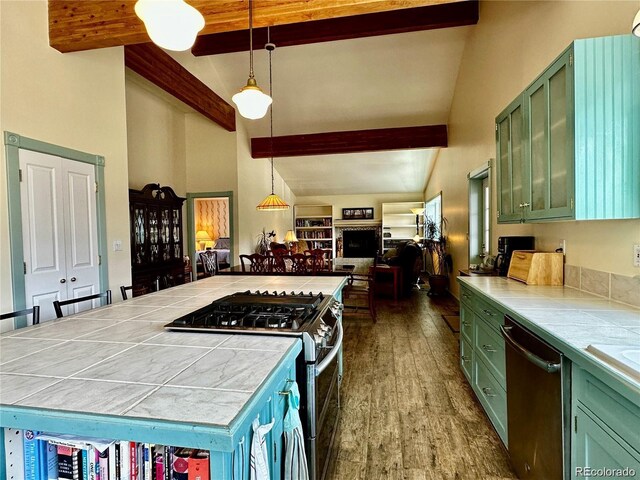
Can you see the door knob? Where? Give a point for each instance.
(73, 279)
(63, 280)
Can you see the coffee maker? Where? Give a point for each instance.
(506, 246)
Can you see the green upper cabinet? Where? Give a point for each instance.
(510, 140)
(577, 156)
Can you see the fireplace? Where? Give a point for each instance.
(360, 243)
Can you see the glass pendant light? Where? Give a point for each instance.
(251, 101)
(171, 24)
(272, 202)
(635, 27)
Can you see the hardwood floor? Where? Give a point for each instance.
(407, 411)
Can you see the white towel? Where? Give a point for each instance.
(259, 457)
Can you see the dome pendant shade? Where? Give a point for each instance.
(271, 203)
(251, 101)
(171, 24)
(635, 27)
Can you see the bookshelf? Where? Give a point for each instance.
(314, 224)
(399, 224)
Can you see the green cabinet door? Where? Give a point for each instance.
(596, 449)
(549, 160)
(511, 173)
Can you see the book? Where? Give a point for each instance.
(198, 465)
(52, 461)
(133, 461)
(103, 459)
(69, 463)
(180, 463)
(31, 455)
(125, 461)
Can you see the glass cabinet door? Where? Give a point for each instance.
(550, 154)
(510, 149)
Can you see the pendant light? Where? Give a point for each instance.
(635, 27)
(171, 24)
(272, 202)
(252, 102)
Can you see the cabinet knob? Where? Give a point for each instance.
(488, 313)
(63, 280)
(465, 359)
(73, 279)
(525, 205)
(488, 348)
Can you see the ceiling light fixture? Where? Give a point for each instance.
(171, 24)
(272, 202)
(252, 102)
(635, 27)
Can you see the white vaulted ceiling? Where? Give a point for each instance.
(387, 81)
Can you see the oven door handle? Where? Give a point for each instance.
(545, 365)
(334, 351)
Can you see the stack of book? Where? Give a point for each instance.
(70, 457)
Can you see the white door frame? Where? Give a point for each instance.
(13, 143)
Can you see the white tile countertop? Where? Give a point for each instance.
(119, 360)
(568, 318)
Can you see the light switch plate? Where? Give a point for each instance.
(636, 255)
(117, 245)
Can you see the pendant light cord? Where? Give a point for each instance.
(251, 39)
(271, 108)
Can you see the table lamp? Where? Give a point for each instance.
(417, 212)
(290, 238)
(202, 237)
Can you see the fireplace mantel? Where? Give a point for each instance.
(357, 223)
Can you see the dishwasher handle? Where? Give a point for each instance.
(545, 365)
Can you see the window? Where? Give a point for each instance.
(479, 214)
(433, 209)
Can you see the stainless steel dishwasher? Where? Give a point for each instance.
(537, 410)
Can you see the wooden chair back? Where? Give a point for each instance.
(300, 263)
(123, 291)
(34, 311)
(57, 305)
(318, 260)
(256, 263)
(209, 260)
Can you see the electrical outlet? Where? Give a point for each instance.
(117, 245)
(562, 244)
(636, 255)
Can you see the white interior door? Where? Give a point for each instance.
(59, 230)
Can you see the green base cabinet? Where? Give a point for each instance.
(605, 430)
(482, 357)
(568, 146)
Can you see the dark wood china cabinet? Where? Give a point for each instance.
(155, 214)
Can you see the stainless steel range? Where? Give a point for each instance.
(314, 318)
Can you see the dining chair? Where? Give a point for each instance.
(209, 260)
(318, 260)
(256, 263)
(362, 289)
(34, 312)
(57, 305)
(279, 264)
(123, 291)
(300, 263)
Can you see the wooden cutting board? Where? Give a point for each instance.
(536, 268)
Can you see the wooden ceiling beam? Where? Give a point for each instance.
(76, 25)
(155, 65)
(329, 143)
(368, 25)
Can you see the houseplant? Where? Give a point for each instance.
(436, 245)
(264, 239)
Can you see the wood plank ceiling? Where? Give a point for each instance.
(76, 25)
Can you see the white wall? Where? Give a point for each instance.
(254, 184)
(74, 100)
(512, 44)
(354, 201)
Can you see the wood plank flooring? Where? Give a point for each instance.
(407, 410)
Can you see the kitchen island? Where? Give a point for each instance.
(114, 372)
(604, 400)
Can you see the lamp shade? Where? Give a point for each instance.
(272, 202)
(252, 102)
(202, 236)
(290, 236)
(417, 211)
(635, 27)
(171, 24)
